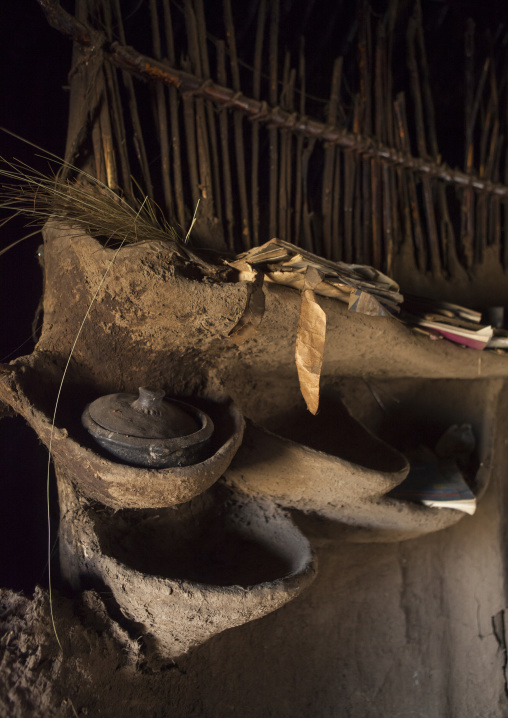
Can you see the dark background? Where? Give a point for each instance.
(35, 61)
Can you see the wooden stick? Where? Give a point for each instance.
(364, 63)
(358, 209)
(276, 117)
(238, 127)
(336, 244)
(98, 155)
(256, 94)
(272, 132)
(481, 205)
(349, 184)
(138, 140)
(80, 86)
(433, 239)
(115, 105)
(505, 206)
(224, 139)
(106, 134)
(162, 118)
(289, 153)
(174, 120)
(395, 204)
(329, 165)
(427, 102)
(420, 249)
(447, 235)
(190, 135)
(119, 128)
(401, 182)
(503, 151)
(382, 99)
(308, 240)
(299, 145)
(365, 238)
(100, 168)
(207, 208)
(391, 17)
(387, 219)
(468, 201)
(415, 86)
(466, 219)
(469, 91)
(212, 137)
(488, 144)
(375, 192)
(283, 179)
(495, 206)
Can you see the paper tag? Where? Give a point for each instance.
(310, 341)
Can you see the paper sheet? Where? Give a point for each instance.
(365, 303)
(297, 281)
(310, 341)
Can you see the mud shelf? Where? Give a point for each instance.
(332, 467)
(173, 317)
(32, 388)
(161, 322)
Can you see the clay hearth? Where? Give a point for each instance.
(179, 576)
(31, 390)
(163, 327)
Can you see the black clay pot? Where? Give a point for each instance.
(148, 430)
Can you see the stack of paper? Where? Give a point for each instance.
(436, 477)
(364, 289)
(438, 485)
(285, 263)
(451, 321)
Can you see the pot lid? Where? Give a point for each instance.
(146, 416)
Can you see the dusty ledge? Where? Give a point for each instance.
(334, 469)
(155, 316)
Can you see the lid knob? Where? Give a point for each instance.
(149, 401)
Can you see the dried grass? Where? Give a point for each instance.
(81, 202)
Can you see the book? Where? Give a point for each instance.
(473, 338)
(436, 478)
(423, 305)
(450, 321)
(438, 485)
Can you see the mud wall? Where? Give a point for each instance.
(388, 627)
(405, 629)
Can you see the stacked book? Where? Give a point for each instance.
(436, 477)
(451, 321)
